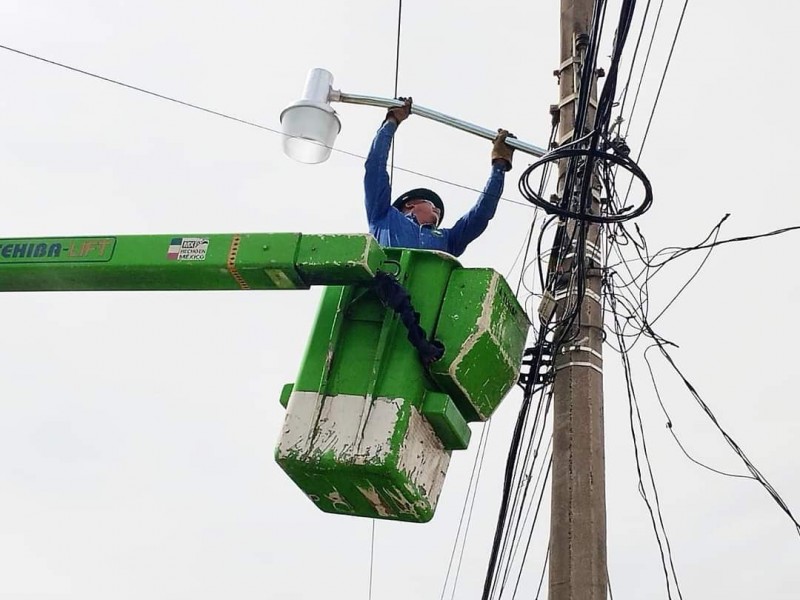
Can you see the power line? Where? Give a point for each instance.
(633, 59)
(544, 571)
(757, 475)
(396, 79)
(670, 424)
(141, 90)
(391, 178)
(233, 118)
(514, 534)
(474, 478)
(549, 464)
(635, 417)
(745, 238)
(663, 77)
(644, 66)
(371, 557)
(637, 312)
(542, 185)
(397, 50)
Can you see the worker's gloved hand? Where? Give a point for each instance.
(501, 151)
(399, 114)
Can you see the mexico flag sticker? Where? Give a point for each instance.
(187, 249)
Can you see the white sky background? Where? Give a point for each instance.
(137, 429)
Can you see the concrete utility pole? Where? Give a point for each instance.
(578, 522)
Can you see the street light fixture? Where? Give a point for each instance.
(310, 125)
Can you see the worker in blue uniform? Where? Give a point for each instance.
(413, 219)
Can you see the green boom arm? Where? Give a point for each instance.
(258, 261)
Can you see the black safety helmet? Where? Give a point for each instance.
(421, 194)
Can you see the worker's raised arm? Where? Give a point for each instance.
(377, 191)
(474, 223)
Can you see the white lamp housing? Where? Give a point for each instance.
(310, 125)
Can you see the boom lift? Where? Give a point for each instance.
(369, 427)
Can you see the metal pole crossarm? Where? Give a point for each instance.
(337, 96)
(257, 261)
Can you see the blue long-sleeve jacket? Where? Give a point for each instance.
(392, 228)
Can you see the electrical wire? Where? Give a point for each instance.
(542, 185)
(671, 428)
(469, 518)
(549, 463)
(238, 119)
(371, 557)
(679, 252)
(509, 512)
(544, 570)
(636, 312)
(660, 88)
(397, 49)
(663, 77)
(472, 486)
(633, 59)
(396, 78)
(515, 533)
(757, 475)
(644, 67)
(141, 90)
(635, 419)
(608, 581)
(391, 178)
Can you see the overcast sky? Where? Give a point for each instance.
(137, 429)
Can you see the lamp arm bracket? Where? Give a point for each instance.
(416, 109)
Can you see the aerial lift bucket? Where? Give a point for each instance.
(368, 429)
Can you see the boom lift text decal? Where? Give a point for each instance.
(41, 250)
